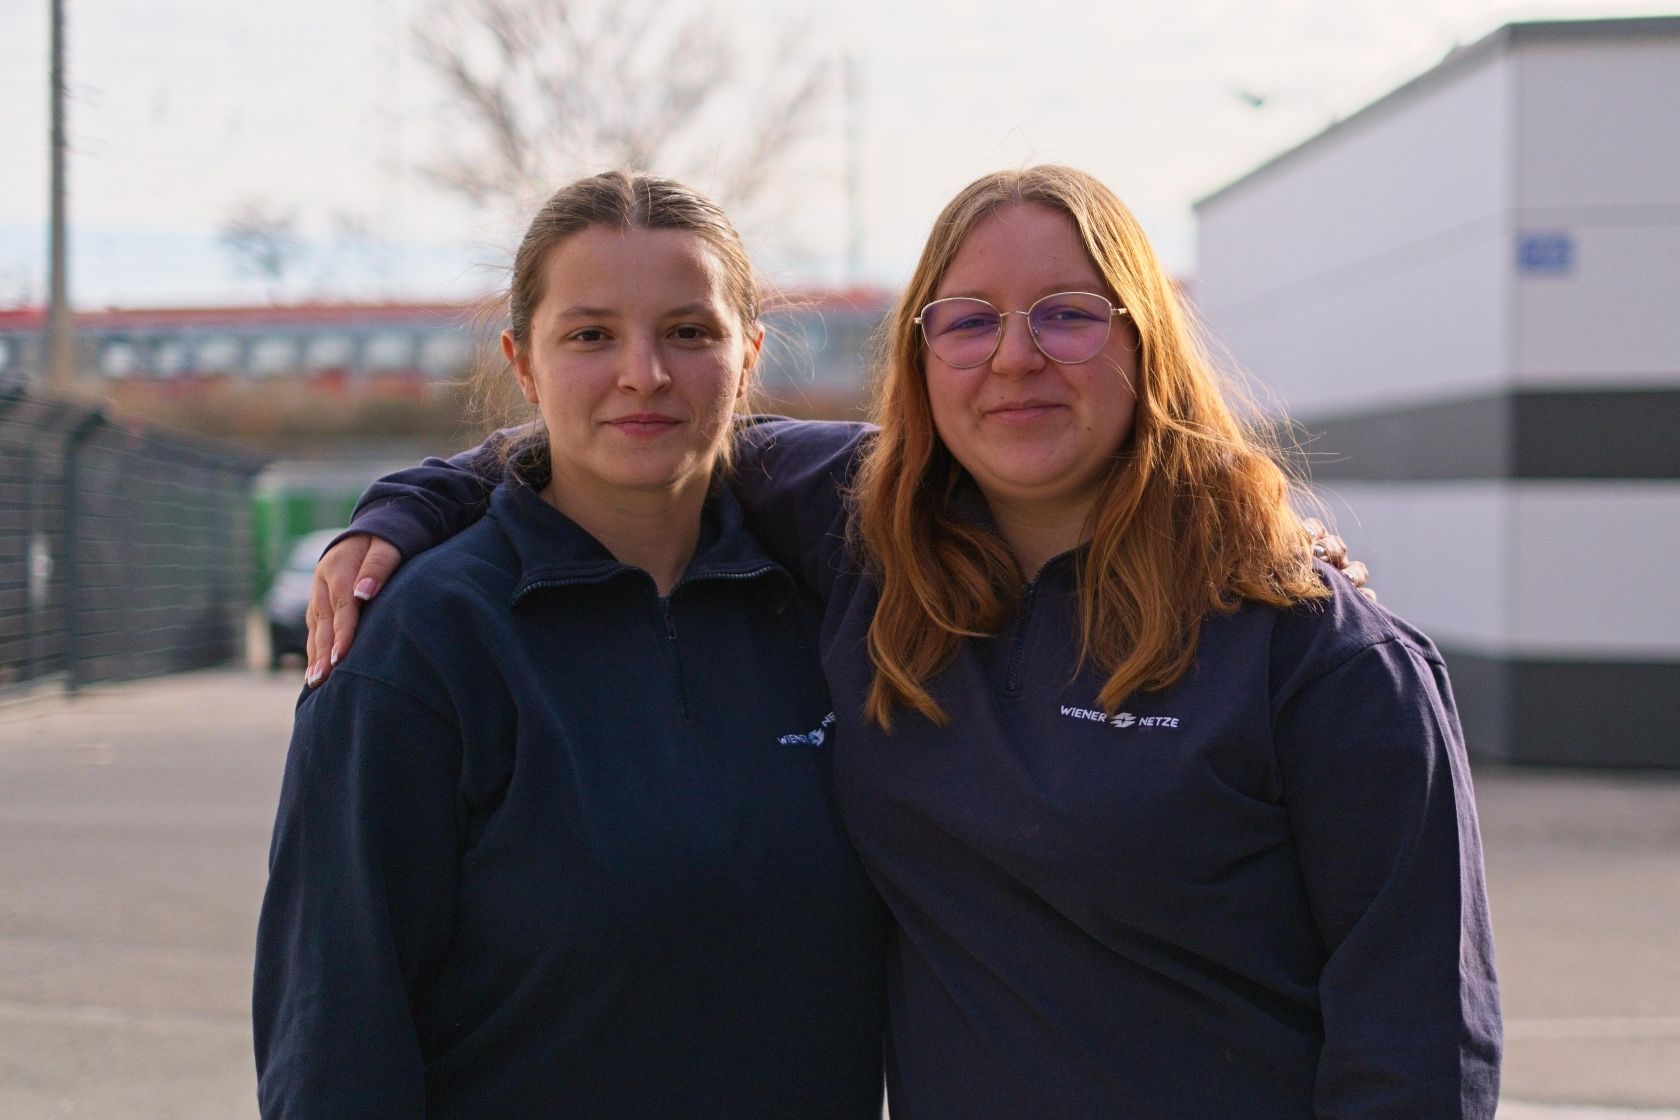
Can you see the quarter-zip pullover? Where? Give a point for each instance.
(1257, 893)
(550, 844)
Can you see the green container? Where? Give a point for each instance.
(288, 504)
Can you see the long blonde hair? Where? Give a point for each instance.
(1194, 518)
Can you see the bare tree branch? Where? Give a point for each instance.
(263, 241)
(786, 104)
(540, 91)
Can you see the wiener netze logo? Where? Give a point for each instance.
(808, 738)
(1121, 720)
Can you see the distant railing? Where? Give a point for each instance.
(123, 552)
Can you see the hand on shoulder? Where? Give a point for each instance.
(348, 574)
(1331, 549)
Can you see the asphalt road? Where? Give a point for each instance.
(133, 836)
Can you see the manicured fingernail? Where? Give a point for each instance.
(313, 677)
(1320, 551)
(335, 655)
(365, 587)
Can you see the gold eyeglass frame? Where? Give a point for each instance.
(997, 339)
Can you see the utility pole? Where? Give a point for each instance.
(60, 339)
(852, 99)
(387, 149)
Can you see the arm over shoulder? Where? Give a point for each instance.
(420, 507)
(1378, 790)
(791, 478)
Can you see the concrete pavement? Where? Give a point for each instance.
(134, 827)
(1584, 884)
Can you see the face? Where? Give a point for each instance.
(636, 360)
(1035, 435)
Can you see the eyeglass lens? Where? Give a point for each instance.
(1069, 327)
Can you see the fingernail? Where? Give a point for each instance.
(365, 587)
(313, 677)
(335, 655)
(1320, 551)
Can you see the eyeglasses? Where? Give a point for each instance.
(1067, 327)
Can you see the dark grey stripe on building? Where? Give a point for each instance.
(1556, 710)
(1569, 713)
(1551, 434)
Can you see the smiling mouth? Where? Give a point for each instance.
(643, 424)
(1021, 412)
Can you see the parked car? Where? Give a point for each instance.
(287, 600)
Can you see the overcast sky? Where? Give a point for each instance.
(181, 109)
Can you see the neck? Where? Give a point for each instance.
(1036, 534)
(654, 530)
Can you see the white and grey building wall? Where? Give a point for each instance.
(1468, 294)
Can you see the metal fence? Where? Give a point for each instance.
(123, 552)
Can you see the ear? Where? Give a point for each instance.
(749, 369)
(521, 364)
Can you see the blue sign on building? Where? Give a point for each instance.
(1545, 253)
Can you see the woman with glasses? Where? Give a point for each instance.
(1173, 822)
(558, 838)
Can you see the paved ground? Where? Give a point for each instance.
(134, 827)
(1584, 883)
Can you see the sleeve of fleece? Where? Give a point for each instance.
(790, 477)
(419, 507)
(362, 874)
(1378, 791)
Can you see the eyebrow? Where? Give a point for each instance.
(585, 312)
(1050, 291)
(693, 309)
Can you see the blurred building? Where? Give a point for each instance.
(1468, 293)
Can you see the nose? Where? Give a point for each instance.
(641, 368)
(1017, 351)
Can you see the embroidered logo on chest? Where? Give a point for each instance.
(1122, 721)
(813, 738)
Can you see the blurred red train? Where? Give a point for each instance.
(816, 355)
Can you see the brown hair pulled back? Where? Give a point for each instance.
(628, 200)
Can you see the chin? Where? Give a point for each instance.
(1038, 487)
(1026, 479)
(659, 476)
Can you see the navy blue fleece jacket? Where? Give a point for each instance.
(552, 845)
(1257, 893)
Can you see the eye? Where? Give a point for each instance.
(1068, 313)
(693, 333)
(961, 317)
(588, 336)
